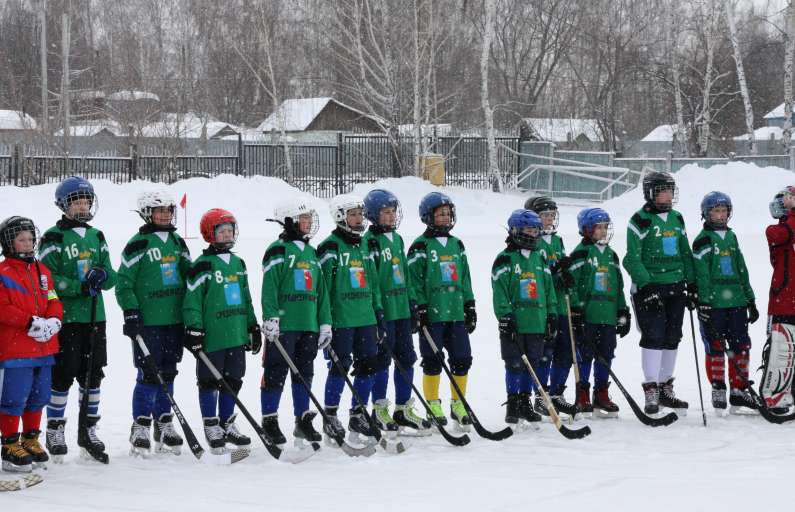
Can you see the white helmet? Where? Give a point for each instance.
(339, 208)
(148, 200)
(288, 211)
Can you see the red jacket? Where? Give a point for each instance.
(781, 242)
(26, 290)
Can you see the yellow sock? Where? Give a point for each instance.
(430, 386)
(461, 380)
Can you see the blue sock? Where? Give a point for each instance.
(334, 387)
(300, 398)
(528, 385)
(585, 372)
(162, 405)
(380, 383)
(513, 382)
(558, 377)
(363, 386)
(57, 406)
(143, 400)
(269, 402)
(542, 372)
(207, 403)
(93, 401)
(600, 374)
(226, 406)
(402, 386)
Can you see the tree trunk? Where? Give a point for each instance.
(786, 136)
(738, 59)
(494, 171)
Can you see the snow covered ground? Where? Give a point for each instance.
(734, 464)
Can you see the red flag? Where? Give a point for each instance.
(184, 200)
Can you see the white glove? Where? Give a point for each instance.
(271, 328)
(324, 338)
(39, 330)
(54, 325)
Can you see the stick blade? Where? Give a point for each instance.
(453, 440)
(223, 459)
(365, 451)
(492, 436)
(575, 434)
(299, 456)
(394, 448)
(18, 484)
(658, 422)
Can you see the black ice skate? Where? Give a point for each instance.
(603, 405)
(56, 439)
(512, 411)
(270, 424)
(540, 406)
(719, 397)
(359, 427)
(743, 403)
(233, 436)
(652, 394)
(139, 436)
(527, 415)
(462, 422)
(166, 438)
(91, 423)
(382, 419)
(409, 423)
(215, 435)
(14, 457)
(668, 398)
(304, 431)
(332, 427)
(560, 403)
(30, 443)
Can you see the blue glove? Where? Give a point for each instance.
(95, 277)
(380, 326)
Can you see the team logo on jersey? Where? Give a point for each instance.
(303, 264)
(446, 258)
(528, 288)
(602, 281)
(669, 245)
(396, 274)
(303, 279)
(449, 271)
(726, 265)
(232, 293)
(357, 278)
(168, 259)
(396, 260)
(82, 269)
(529, 274)
(356, 263)
(85, 254)
(43, 282)
(168, 272)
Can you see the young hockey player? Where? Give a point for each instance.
(356, 313)
(30, 318)
(599, 295)
(439, 274)
(555, 363)
(660, 263)
(382, 209)
(296, 310)
(525, 304)
(150, 291)
(78, 257)
(726, 302)
(220, 320)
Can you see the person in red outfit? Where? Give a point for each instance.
(30, 318)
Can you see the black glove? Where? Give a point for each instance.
(577, 320)
(705, 313)
(623, 322)
(692, 296)
(567, 279)
(415, 317)
(95, 277)
(422, 312)
(133, 324)
(650, 298)
(380, 326)
(254, 344)
(507, 325)
(470, 316)
(560, 265)
(194, 340)
(753, 313)
(552, 328)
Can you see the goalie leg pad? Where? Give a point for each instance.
(778, 362)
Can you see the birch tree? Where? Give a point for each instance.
(786, 135)
(488, 34)
(738, 59)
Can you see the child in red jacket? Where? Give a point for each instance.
(30, 318)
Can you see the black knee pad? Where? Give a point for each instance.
(431, 365)
(169, 377)
(516, 366)
(62, 383)
(96, 378)
(273, 379)
(461, 367)
(207, 385)
(367, 367)
(149, 378)
(235, 384)
(334, 371)
(306, 369)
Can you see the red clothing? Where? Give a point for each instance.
(26, 290)
(781, 242)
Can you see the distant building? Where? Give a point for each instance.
(562, 130)
(663, 133)
(318, 119)
(775, 118)
(16, 122)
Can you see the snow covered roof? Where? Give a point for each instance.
(663, 133)
(132, 96)
(557, 130)
(93, 128)
(16, 120)
(764, 133)
(186, 126)
(298, 114)
(442, 130)
(86, 95)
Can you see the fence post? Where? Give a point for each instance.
(239, 161)
(549, 171)
(668, 161)
(133, 162)
(15, 164)
(732, 156)
(792, 159)
(339, 164)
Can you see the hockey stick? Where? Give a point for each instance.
(763, 410)
(574, 361)
(482, 432)
(275, 451)
(190, 437)
(698, 372)
(393, 448)
(345, 447)
(563, 429)
(455, 441)
(82, 417)
(646, 420)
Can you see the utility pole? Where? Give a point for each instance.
(45, 116)
(65, 80)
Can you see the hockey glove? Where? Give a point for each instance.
(271, 328)
(567, 279)
(380, 326)
(37, 329)
(194, 340)
(254, 344)
(705, 313)
(650, 298)
(508, 326)
(753, 313)
(133, 324)
(415, 317)
(470, 316)
(623, 322)
(577, 321)
(54, 325)
(324, 338)
(425, 321)
(692, 296)
(552, 328)
(95, 277)
(560, 265)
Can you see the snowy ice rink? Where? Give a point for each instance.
(736, 463)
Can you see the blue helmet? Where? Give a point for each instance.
(428, 206)
(712, 200)
(589, 218)
(75, 188)
(521, 219)
(378, 199)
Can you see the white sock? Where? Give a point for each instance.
(668, 364)
(650, 359)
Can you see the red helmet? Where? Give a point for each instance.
(214, 219)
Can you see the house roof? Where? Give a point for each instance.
(777, 112)
(132, 96)
(556, 130)
(16, 120)
(764, 133)
(663, 133)
(186, 126)
(298, 114)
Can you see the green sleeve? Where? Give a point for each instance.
(185, 260)
(272, 268)
(371, 259)
(552, 296)
(51, 252)
(193, 305)
(621, 301)
(328, 259)
(412, 293)
(687, 256)
(128, 273)
(632, 261)
(500, 285)
(467, 277)
(104, 262)
(417, 259)
(579, 258)
(702, 258)
(746, 278)
(323, 303)
(251, 315)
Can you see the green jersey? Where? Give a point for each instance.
(598, 284)
(351, 279)
(551, 248)
(218, 300)
(522, 284)
(439, 274)
(388, 253)
(293, 288)
(152, 273)
(657, 249)
(69, 250)
(721, 274)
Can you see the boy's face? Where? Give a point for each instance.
(161, 216)
(719, 214)
(354, 217)
(305, 223)
(664, 196)
(530, 231)
(24, 242)
(599, 231)
(443, 216)
(386, 217)
(225, 233)
(788, 202)
(79, 208)
(548, 218)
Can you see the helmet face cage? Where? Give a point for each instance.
(447, 227)
(525, 240)
(376, 219)
(340, 215)
(706, 213)
(149, 201)
(295, 225)
(588, 229)
(777, 209)
(554, 227)
(375, 201)
(211, 221)
(82, 216)
(10, 233)
(656, 190)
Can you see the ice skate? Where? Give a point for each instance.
(668, 398)
(304, 431)
(652, 393)
(383, 420)
(743, 403)
(30, 443)
(462, 422)
(560, 403)
(409, 423)
(438, 415)
(270, 424)
(139, 436)
(56, 440)
(359, 428)
(214, 435)
(165, 435)
(233, 436)
(540, 406)
(529, 418)
(584, 400)
(15, 458)
(91, 423)
(332, 427)
(719, 398)
(603, 405)
(512, 411)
